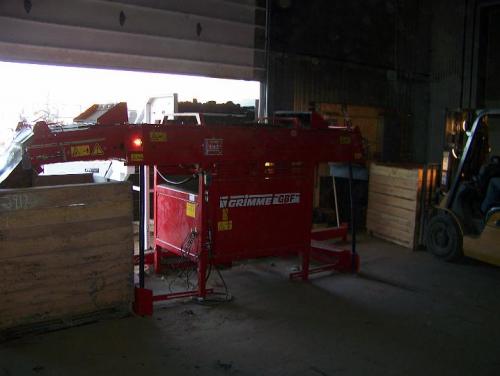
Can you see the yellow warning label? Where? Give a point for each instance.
(225, 214)
(345, 140)
(80, 150)
(136, 157)
(97, 150)
(224, 225)
(158, 136)
(191, 209)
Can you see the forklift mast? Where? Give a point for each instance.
(473, 154)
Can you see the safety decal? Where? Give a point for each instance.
(224, 225)
(345, 140)
(80, 151)
(136, 157)
(225, 214)
(191, 209)
(156, 136)
(97, 150)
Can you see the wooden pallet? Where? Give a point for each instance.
(65, 251)
(397, 200)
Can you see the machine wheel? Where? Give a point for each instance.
(444, 238)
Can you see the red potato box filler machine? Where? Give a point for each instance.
(221, 192)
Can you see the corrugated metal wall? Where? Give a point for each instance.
(218, 38)
(329, 81)
(375, 54)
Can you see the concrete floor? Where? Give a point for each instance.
(405, 314)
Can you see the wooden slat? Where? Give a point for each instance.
(396, 172)
(65, 214)
(397, 183)
(406, 224)
(45, 274)
(42, 276)
(387, 189)
(393, 201)
(47, 245)
(390, 210)
(12, 200)
(50, 292)
(392, 232)
(44, 229)
(71, 255)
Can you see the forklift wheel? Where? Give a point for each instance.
(444, 238)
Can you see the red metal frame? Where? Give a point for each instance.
(273, 165)
(110, 114)
(186, 145)
(330, 232)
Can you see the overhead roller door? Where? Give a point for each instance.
(216, 38)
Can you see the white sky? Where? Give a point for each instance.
(29, 87)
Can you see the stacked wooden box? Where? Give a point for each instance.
(397, 199)
(65, 253)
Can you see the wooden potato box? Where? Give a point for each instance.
(397, 200)
(65, 254)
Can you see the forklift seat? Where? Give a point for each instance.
(491, 197)
(487, 172)
(493, 210)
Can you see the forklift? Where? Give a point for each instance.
(466, 221)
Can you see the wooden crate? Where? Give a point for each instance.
(65, 253)
(397, 201)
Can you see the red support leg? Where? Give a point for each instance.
(306, 254)
(157, 259)
(143, 303)
(332, 260)
(202, 274)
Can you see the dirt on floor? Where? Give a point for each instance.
(406, 313)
